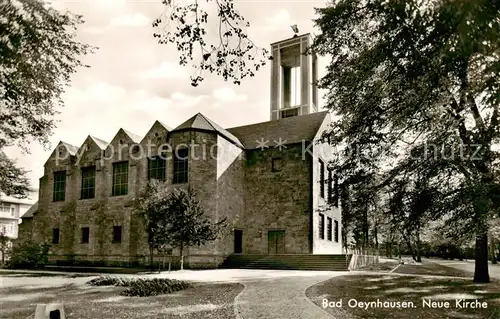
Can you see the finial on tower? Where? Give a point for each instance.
(295, 30)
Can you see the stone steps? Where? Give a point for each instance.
(288, 262)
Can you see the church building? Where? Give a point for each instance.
(271, 180)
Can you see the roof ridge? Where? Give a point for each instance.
(134, 137)
(281, 119)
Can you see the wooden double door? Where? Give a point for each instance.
(275, 242)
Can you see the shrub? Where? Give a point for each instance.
(110, 281)
(29, 254)
(154, 287)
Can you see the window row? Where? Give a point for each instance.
(7, 208)
(156, 170)
(332, 232)
(332, 183)
(85, 235)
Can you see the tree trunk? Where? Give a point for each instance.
(151, 252)
(419, 258)
(182, 258)
(493, 250)
(481, 274)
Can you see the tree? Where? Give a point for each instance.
(38, 53)
(5, 246)
(150, 205)
(419, 72)
(174, 219)
(187, 225)
(233, 55)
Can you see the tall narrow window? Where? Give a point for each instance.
(314, 78)
(329, 229)
(321, 226)
(336, 190)
(287, 85)
(117, 234)
(120, 178)
(156, 168)
(291, 85)
(55, 236)
(336, 231)
(321, 179)
(59, 186)
(181, 166)
(85, 235)
(330, 186)
(88, 182)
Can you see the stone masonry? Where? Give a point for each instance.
(258, 189)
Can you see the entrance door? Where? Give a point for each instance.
(238, 241)
(276, 242)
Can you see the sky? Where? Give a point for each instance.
(134, 81)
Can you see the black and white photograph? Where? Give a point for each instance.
(249, 159)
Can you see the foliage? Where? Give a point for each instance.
(150, 205)
(29, 254)
(174, 218)
(152, 287)
(141, 287)
(13, 180)
(416, 85)
(5, 247)
(38, 54)
(233, 55)
(110, 281)
(187, 224)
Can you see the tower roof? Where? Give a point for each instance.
(200, 122)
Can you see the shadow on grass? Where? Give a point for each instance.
(41, 274)
(430, 268)
(413, 290)
(88, 302)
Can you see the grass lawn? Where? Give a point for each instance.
(83, 301)
(381, 266)
(420, 292)
(430, 268)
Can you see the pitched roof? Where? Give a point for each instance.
(290, 130)
(29, 213)
(72, 149)
(100, 143)
(200, 122)
(168, 128)
(134, 137)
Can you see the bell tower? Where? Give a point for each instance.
(293, 77)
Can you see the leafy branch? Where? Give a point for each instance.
(234, 57)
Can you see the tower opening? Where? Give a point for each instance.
(293, 77)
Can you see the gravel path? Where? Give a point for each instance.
(280, 298)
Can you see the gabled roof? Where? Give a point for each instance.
(200, 122)
(29, 213)
(165, 126)
(290, 130)
(100, 143)
(157, 125)
(134, 137)
(72, 149)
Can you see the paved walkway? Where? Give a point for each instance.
(276, 294)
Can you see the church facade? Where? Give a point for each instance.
(270, 180)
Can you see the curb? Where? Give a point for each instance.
(237, 312)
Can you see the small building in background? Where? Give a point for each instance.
(11, 211)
